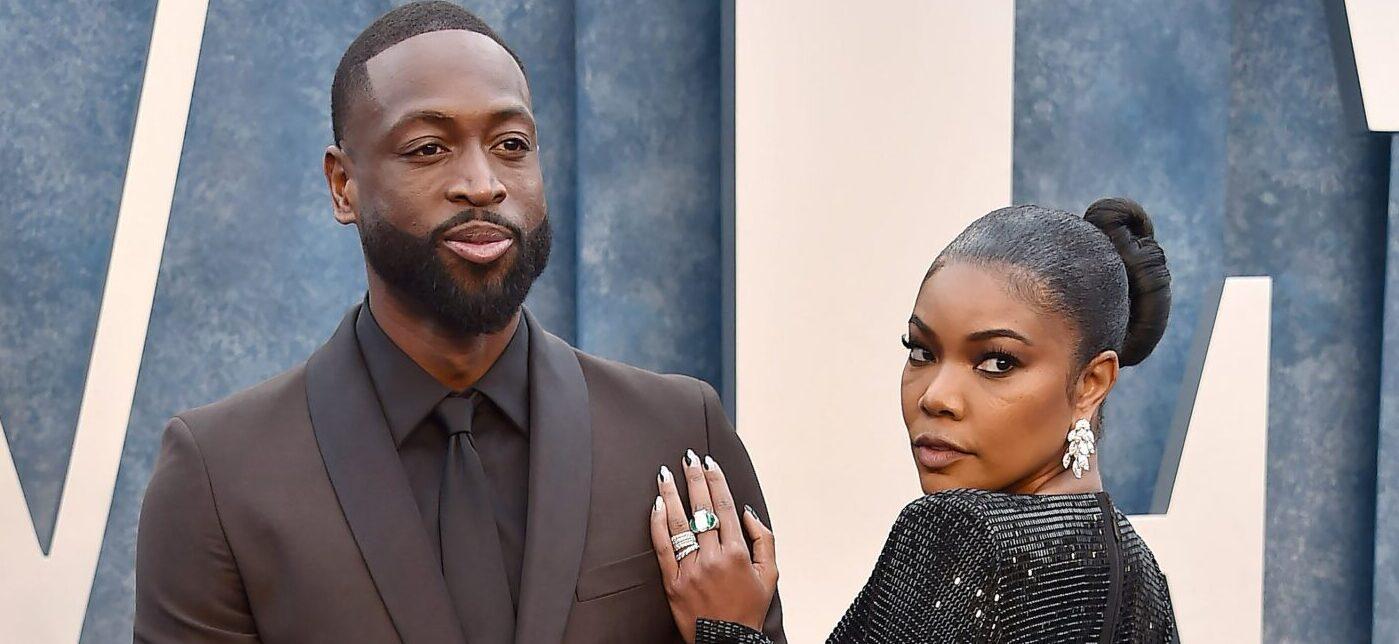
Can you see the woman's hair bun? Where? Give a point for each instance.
(1148, 280)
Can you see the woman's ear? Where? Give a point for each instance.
(342, 187)
(1094, 383)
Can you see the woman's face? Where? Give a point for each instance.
(986, 388)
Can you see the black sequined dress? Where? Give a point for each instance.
(978, 566)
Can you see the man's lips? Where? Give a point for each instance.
(479, 242)
(935, 453)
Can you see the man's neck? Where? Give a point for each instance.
(456, 362)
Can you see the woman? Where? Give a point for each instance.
(1015, 341)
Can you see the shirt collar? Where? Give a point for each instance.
(408, 394)
(506, 383)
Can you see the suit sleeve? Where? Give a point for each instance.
(188, 588)
(726, 448)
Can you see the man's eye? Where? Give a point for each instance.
(997, 365)
(514, 144)
(430, 149)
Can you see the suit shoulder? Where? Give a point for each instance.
(264, 406)
(604, 372)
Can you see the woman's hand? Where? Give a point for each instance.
(720, 580)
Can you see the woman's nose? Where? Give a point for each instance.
(942, 396)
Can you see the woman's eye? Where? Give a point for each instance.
(997, 365)
(917, 354)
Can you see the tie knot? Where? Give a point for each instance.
(455, 412)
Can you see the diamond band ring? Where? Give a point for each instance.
(684, 544)
(687, 551)
(683, 540)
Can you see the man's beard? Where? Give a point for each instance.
(413, 267)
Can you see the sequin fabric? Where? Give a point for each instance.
(978, 566)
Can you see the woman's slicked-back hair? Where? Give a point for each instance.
(1103, 272)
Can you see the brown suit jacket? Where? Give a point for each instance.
(283, 515)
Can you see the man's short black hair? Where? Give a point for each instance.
(396, 26)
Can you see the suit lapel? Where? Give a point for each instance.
(560, 486)
(373, 491)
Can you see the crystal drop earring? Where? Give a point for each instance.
(1080, 447)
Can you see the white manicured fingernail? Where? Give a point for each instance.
(710, 464)
(665, 474)
(691, 458)
(660, 505)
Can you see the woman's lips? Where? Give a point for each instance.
(936, 459)
(936, 453)
(480, 251)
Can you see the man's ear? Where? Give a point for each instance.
(1094, 383)
(343, 195)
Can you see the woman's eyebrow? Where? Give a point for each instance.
(998, 333)
(916, 321)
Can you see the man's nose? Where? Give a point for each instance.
(474, 181)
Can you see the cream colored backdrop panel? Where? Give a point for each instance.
(1210, 542)
(867, 136)
(865, 141)
(1376, 50)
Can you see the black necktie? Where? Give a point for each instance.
(471, 556)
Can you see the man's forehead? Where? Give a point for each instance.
(440, 60)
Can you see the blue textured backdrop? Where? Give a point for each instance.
(1132, 98)
(72, 76)
(1386, 602)
(1223, 118)
(256, 274)
(1307, 204)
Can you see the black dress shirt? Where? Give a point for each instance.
(500, 432)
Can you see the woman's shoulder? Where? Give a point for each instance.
(937, 578)
(962, 517)
(983, 512)
(969, 499)
(987, 505)
(950, 513)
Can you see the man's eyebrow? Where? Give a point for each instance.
(510, 112)
(504, 113)
(998, 333)
(419, 115)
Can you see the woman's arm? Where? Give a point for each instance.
(705, 562)
(725, 447)
(708, 631)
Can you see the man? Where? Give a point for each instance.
(443, 469)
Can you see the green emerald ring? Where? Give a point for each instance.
(704, 521)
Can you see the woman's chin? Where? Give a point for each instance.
(934, 482)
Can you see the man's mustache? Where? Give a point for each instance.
(476, 214)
